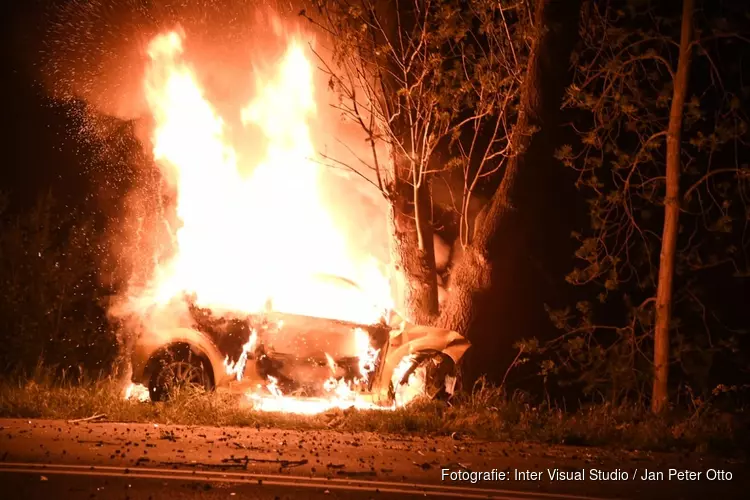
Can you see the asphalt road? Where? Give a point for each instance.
(57, 459)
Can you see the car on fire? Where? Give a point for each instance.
(301, 356)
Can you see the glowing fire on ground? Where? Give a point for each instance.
(258, 236)
(341, 393)
(137, 392)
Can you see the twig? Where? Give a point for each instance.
(246, 460)
(242, 463)
(98, 442)
(515, 360)
(98, 416)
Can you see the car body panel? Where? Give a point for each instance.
(412, 339)
(294, 347)
(307, 336)
(151, 344)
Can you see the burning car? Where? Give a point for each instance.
(276, 356)
(258, 232)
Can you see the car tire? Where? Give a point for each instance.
(178, 367)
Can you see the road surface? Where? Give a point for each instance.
(87, 460)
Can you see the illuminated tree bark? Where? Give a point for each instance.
(659, 396)
(413, 250)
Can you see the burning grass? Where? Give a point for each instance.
(485, 414)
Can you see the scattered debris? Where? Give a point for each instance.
(99, 443)
(204, 464)
(240, 463)
(357, 473)
(168, 435)
(283, 463)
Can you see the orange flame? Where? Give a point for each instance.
(341, 393)
(413, 386)
(137, 392)
(252, 235)
(256, 231)
(237, 368)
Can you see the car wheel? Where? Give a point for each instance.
(177, 369)
(426, 375)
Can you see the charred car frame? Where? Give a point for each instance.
(299, 353)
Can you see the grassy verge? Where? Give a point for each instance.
(484, 414)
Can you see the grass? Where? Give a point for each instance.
(486, 413)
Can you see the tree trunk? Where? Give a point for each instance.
(497, 245)
(413, 251)
(412, 244)
(659, 396)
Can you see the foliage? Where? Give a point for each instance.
(620, 100)
(53, 306)
(436, 77)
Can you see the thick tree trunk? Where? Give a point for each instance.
(412, 244)
(659, 396)
(413, 252)
(497, 245)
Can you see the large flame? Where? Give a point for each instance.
(256, 230)
(252, 235)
